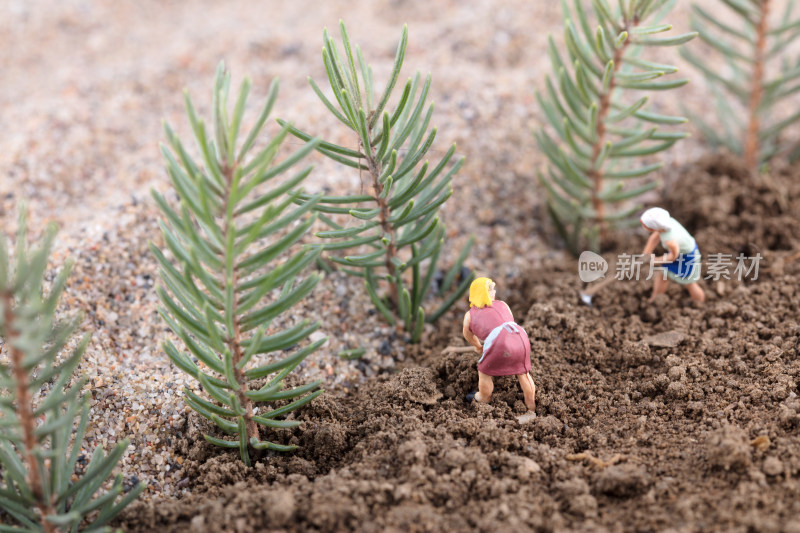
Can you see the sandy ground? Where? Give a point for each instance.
(85, 86)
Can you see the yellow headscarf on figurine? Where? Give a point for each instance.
(479, 292)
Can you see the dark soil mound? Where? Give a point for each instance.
(729, 210)
(648, 416)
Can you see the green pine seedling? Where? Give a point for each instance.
(39, 446)
(747, 47)
(394, 232)
(226, 239)
(596, 102)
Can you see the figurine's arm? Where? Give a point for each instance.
(652, 242)
(674, 251)
(471, 338)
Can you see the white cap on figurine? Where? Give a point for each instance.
(657, 219)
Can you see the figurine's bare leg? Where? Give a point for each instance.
(659, 286)
(528, 389)
(485, 387)
(696, 292)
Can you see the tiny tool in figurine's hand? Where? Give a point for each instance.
(586, 295)
(458, 349)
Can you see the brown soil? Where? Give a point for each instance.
(649, 417)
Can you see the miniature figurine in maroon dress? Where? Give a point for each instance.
(506, 350)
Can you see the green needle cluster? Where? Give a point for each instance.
(392, 232)
(39, 445)
(746, 48)
(232, 271)
(597, 106)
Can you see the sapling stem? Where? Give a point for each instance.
(234, 342)
(375, 170)
(24, 404)
(755, 130)
(752, 146)
(596, 173)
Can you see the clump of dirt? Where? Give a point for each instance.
(623, 481)
(649, 416)
(728, 448)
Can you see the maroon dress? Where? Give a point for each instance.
(506, 348)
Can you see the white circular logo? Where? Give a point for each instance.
(591, 267)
